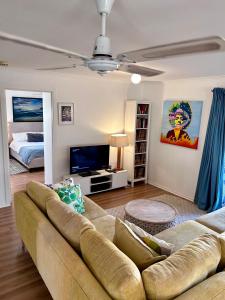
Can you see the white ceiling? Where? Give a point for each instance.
(133, 24)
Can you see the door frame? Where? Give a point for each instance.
(7, 196)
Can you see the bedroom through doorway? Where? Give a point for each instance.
(29, 137)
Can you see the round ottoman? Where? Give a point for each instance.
(152, 216)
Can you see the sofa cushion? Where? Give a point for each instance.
(183, 269)
(93, 210)
(184, 233)
(68, 222)
(40, 194)
(214, 220)
(114, 270)
(212, 288)
(105, 225)
(130, 244)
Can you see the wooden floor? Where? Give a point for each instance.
(19, 278)
(19, 181)
(119, 197)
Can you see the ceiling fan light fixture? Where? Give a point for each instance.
(103, 64)
(135, 78)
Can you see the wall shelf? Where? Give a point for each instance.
(137, 127)
(139, 141)
(140, 153)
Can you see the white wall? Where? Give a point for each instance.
(99, 111)
(98, 103)
(171, 167)
(48, 136)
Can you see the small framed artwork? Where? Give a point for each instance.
(66, 113)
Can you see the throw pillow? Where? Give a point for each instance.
(35, 137)
(130, 244)
(160, 246)
(113, 269)
(19, 136)
(70, 194)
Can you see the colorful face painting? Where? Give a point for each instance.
(181, 123)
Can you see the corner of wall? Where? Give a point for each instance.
(146, 90)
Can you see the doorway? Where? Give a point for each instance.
(29, 138)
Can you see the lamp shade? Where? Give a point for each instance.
(119, 140)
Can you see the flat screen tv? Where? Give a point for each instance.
(88, 158)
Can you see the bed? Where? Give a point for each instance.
(30, 154)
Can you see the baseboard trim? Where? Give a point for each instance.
(170, 191)
(5, 205)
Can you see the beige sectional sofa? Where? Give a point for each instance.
(77, 259)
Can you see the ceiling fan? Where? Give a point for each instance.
(102, 60)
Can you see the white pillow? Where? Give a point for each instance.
(20, 136)
(160, 246)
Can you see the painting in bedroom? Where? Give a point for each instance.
(25, 135)
(27, 109)
(181, 123)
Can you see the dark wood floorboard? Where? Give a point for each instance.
(19, 181)
(122, 196)
(19, 278)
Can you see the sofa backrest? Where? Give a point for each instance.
(62, 269)
(68, 222)
(40, 194)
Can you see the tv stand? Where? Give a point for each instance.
(88, 173)
(103, 181)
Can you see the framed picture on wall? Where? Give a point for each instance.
(181, 123)
(27, 109)
(66, 113)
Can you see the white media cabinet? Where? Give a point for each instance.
(104, 181)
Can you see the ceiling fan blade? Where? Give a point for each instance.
(26, 42)
(213, 43)
(56, 68)
(135, 69)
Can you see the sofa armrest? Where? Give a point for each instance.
(222, 243)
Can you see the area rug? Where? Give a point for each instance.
(186, 210)
(15, 167)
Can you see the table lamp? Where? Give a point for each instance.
(119, 140)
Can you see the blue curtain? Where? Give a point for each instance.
(209, 192)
